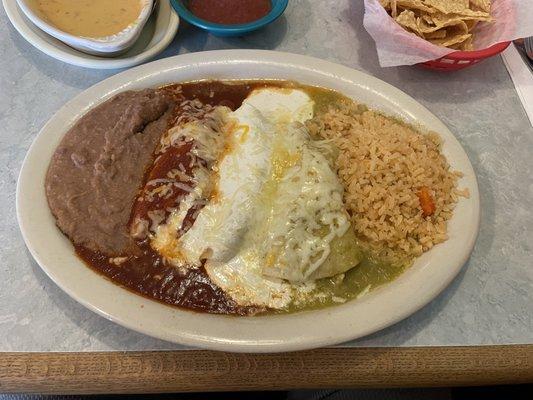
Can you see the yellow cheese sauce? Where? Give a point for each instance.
(90, 18)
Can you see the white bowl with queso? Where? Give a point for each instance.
(99, 27)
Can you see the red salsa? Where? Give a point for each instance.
(230, 11)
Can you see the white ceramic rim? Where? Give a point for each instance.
(429, 275)
(103, 45)
(46, 43)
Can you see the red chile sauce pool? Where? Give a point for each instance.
(230, 11)
(145, 273)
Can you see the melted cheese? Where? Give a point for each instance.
(302, 209)
(282, 106)
(210, 138)
(278, 210)
(242, 280)
(91, 18)
(222, 224)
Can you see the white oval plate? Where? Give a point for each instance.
(384, 306)
(154, 38)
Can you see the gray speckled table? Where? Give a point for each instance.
(490, 302)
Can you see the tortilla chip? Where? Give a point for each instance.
(477, 14)
(460, 28)
(483, 5)
(394, 8)
(428, 19)
(407, 19)
(415, 5)
(467, 44)
(449, 6)
(425, 28)
(440, 19)
(440, 34)
(450, 41)
(455, 35)
(448, 23)
(471, 24)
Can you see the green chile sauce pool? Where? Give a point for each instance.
(367, 275)
(150, 277)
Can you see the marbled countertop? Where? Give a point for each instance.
(490, 302)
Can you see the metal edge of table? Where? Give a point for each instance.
(199, 370)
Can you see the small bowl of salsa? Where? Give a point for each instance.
(229, 17)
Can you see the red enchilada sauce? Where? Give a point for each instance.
(230, 11)
(143, 270)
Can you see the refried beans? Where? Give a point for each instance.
(94, 175)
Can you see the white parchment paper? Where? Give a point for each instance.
(396, 46)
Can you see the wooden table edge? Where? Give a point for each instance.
(200, 370)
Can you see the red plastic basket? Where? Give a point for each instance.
(462, 59)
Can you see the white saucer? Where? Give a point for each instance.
(155, 37)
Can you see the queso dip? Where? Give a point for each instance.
(91, 18)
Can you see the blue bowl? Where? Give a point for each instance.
(278, 7)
